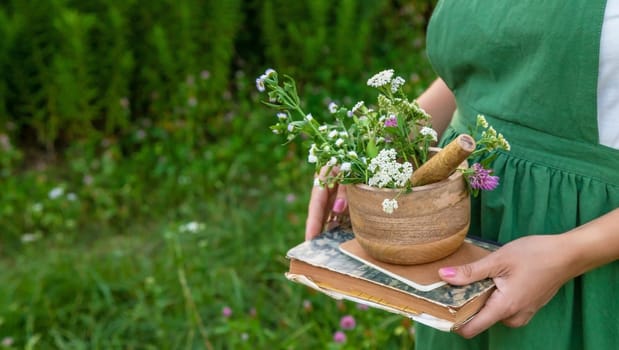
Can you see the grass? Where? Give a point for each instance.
(163, 283)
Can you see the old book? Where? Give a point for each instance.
(334, 264)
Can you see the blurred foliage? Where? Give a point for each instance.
(75, 70)
(121, 122)
(129, 96)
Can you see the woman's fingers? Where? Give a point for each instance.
(320, 205)
(317, 211)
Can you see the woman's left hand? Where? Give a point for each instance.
(527, 272)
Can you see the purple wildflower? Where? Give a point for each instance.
(481, 178)
(226, 312)
(392, 121)
(347, 322)
(339, 337)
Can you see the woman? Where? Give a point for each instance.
(546, 74)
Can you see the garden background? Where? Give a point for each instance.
(144, 202)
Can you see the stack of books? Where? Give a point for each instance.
(334, 264)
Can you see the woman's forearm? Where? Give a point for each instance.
(593, 244)
(439, 102)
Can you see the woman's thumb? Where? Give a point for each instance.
(467, 273)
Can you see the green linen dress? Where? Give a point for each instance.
(531, 67)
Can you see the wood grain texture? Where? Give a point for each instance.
(445, 162)
(430, 223)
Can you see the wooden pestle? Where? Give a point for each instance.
(443, 163)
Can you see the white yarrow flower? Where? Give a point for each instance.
(396, 84)
(387, 171)
(389, 205)
(381, 78)
(429, 131)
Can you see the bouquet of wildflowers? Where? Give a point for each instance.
(379, 145)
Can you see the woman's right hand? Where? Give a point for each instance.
(327, 206)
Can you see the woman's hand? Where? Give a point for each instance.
(327, 206)
(527, 272)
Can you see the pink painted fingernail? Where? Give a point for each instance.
(339, 205)
(447, 271)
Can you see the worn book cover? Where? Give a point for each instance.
(333, 264)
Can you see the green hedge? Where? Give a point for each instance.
(94, 70)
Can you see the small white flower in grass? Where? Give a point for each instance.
(332, 161)
(269, 72)
(317, 182)
(429, 131)
(191, 227)
(332, 107)
(343, 134)
(333, 134)
(37, 207)
(381, 78)
(349, 114)
(352, 154)
(309, 117)
(275, 131)
(290, 128)
(396, 84)
(345, 167)
(7, 341)
(282, 116)
(389, 205)
(322, 128)
(312, 159)
(339, 142)
(55, 193)
(30, 237)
